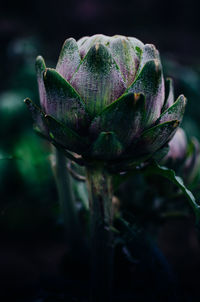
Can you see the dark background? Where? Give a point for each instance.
(32, 241)
(172, 25)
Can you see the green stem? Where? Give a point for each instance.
(66, 199)
(100, 197)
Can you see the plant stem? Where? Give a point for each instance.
(66, 199)
(100, 198)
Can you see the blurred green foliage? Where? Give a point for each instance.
(28, 193)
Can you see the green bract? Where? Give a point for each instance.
(107, 100)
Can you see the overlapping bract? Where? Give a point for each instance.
(177, 147)
(184, 157)
(107, 99)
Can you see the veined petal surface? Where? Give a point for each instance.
(125, 117)
(63, 102)
(149, 52)
(154, 138)
(125, 57)
(98, 79)
(85, 43)
(65, 136)
(175, 112)
(150, 82)
(69, 59)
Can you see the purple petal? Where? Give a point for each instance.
(149, 52)
(98, 79)
(64, 103)
(150, 82)
(136, 44)
(126, 58)
(69, 59)
(178, 146)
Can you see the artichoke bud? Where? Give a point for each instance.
(106, 99)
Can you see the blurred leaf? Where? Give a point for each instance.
(34, 164)
(154, 168)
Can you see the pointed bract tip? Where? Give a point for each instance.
(176, 123)
(157, 65)
(39, 58)
(107, 134)
(68, 41)
(169, 79)
(184, 98)
(151, 47)
(97, 46)
(138, 96)
(45, 73)
(40, 64)
(27, 101)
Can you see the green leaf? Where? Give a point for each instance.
(161, 153)
(170, 174)
(107, 146)
(175, 112)
(64, 136)
(154, 138)
(125, 117)
(69, 155)
(37, 115)
(63, 102)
